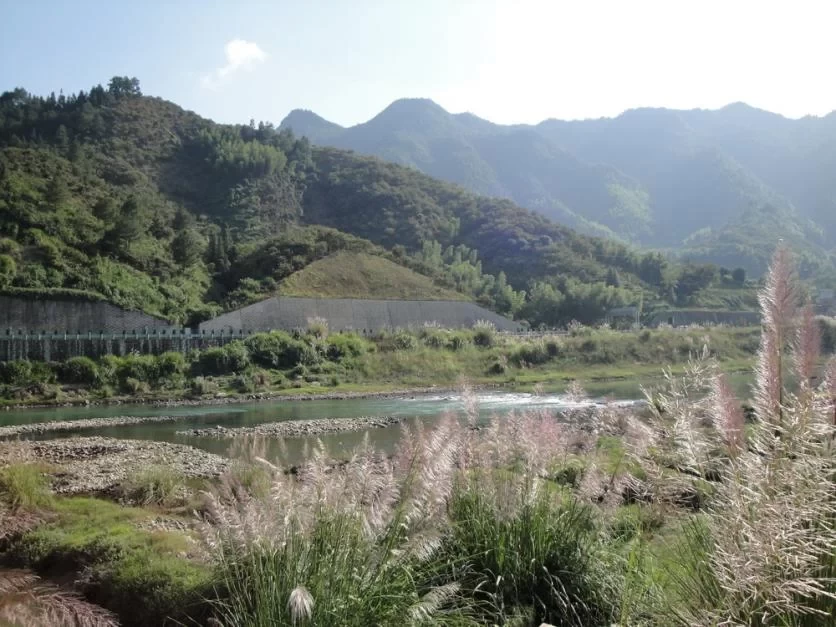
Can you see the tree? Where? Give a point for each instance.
(62, 140)
(129, 225)
(613, 278)
(187, 247)
(739, 276)
(57, 194)
(106, 210)
(8, 269)
(694, 278)
(120, 86)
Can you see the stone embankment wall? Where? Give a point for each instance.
(49, 315)
(359, 315)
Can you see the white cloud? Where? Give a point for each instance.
(240, 55)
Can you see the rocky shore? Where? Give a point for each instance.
(99, 465)
(56, 426)
(299, 428)
(226, 399)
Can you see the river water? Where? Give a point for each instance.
(424, 408)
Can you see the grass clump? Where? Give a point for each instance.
(25, 486)
(157, 485)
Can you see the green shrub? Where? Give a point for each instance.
(171, 365)
(484, 334)
(243, 384)
(79, 370)
(143, 368)
(540, 556)
(345, 346)
(201, 386)
(435, 338)
(531, 353)
(231, 359)
(553, 348)
(109, 368)
(457, 340)
(404, 341)
(24, 486)
(134, 386)
(15, 372)
(276, 350)
(498, 367)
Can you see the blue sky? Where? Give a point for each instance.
(507, 61)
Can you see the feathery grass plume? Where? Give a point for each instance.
(728, 414)
(779, 304)
(829, 388)
(806, 349)
(25, 600)
(300, 605)
(678, 412)
(762, 553)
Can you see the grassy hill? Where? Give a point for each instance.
(360, 275)
(686, 181)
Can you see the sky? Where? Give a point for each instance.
(507, 61)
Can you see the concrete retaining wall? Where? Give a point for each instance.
(360, 315)
(49, 315)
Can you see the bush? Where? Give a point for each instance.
(243, 384)
(171, 365)
(535, 554)
(158, 485)
(457, 340)
(435, 338)
(142, 368)
(532, 354)
(404, 341)
(231, 359)
(276, 350)
(344, 346)
(484, 334)
(15, 372)
(201, 386)
(134, 386)
(24, 486)
(79, 370)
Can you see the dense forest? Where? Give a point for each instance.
(719, 186)
(130, 197)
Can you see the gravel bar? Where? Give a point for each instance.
(299, 428)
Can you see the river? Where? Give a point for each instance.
(426, 408)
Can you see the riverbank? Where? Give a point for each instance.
(99, 465)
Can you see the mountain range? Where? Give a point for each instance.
(710, 185)
(110, 193)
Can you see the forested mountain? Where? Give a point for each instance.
(131, 197)
(711, 185)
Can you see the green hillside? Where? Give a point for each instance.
(360, 275)
(153, 207)
(685, 181)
